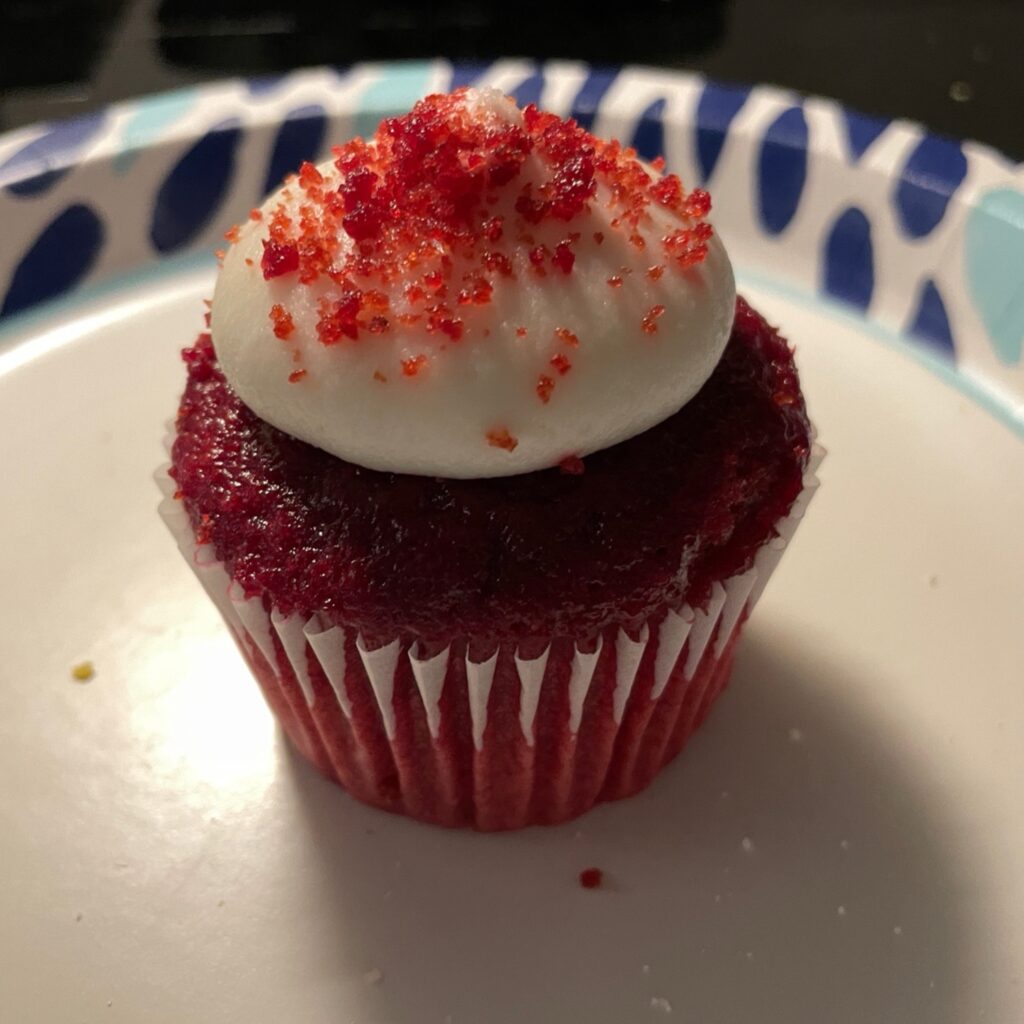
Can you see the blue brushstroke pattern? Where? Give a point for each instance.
(592, 92)
(47, 158)
(151, 118)
(394, 93)
(466, 73)
(930, 322)
(782, 169)
(932, 174)
(529, 90)
(261, 85)
(861, 131)
(62, 254)
(193, 191)
(649, 136)
(717, 107)
(848, 266)
(300, 137)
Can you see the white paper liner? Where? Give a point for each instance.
(683, 632)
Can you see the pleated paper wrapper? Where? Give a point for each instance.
(496, 744)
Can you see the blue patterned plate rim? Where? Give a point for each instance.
(920, 237)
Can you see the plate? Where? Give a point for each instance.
(840, 841)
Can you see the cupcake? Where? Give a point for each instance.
(485, 464)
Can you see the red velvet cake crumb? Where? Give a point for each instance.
(411, 367)
(499, 437)
(418, 202)
(649, 323)
(282, 321)
(561, 363)
(591, 878)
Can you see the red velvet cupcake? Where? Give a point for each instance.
(484, 463)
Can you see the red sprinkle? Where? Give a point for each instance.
(255, 214)
(566, 337)
(499, 437)
(572, 465)
(521, 332)
(591, 878)
(654, 273)
(232, 234)
(615, 281)
(545, 385)
(295, 376)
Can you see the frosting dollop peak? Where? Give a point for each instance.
(476, 291)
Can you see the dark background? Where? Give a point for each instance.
(956, 66)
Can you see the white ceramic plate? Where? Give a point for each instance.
(840, 843)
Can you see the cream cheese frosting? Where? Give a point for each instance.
(528, 333)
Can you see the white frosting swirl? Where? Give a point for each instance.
(466, 395)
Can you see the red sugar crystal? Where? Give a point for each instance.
(521, 332)
(654, 273)
(572, 465)
(566, 337)
(615, 281)
(545, 385)
(255, 214)
(232, 234)
(295, 376)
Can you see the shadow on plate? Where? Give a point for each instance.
(786, 868)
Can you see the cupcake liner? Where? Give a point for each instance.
(500, 743)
